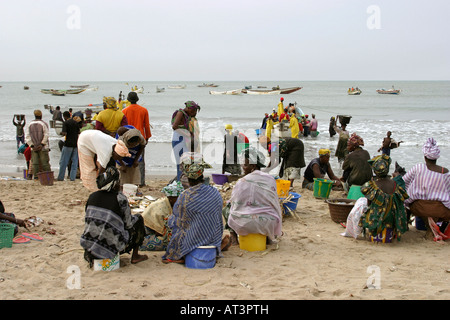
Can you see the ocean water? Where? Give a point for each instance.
(420, 111)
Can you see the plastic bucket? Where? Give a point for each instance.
(420, 224)
(219, 178)
(291, 205)
(46, 178)
(253, 242)
(107, 264)
(129, 189)
(283, 188)
(242, 146)
(384, 236)
(6, 235)
(355, 192)
(203, 257)
(322, 188)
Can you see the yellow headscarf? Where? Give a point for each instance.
(323, 152)
(111, 102)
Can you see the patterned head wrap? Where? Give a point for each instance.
(324, 152)
(110, 102)
(121, 149)
(355, 141)
(380, 165)
(431, 150)
(193, 165)
(192, 104)
(254, 156)
(173, 190)
(109, 180)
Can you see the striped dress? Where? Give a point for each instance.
(196, 221)
(424, 184)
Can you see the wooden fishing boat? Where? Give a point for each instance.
(138, 90)
(208, 85)
(354, 92)
(80, 86)
(389, 91)
(179, 86)
(58, 93)
(266, 92)
(26, 88)
(69, 91)
(273, 91)
(73, 91)
(229, 92)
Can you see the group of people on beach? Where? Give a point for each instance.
(192, 212)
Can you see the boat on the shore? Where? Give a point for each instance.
(273, 91)
(178, 86)
(389, 91)
(229, 92)
(354, 91)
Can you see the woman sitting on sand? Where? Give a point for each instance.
(197, 215)
(156, 216)
(357, 169)
(110, 228)
(428, 186)
(386, 211)
(318, 168)
(254, 204)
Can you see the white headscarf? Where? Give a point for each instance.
(431, 150)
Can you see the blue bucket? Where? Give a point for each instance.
(203, 257)
(292, 204)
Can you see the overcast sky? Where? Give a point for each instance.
(201, 40)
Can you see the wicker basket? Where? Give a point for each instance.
(340, 208)
(6, 235)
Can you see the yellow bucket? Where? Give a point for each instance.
(283, 188)
(253, 242)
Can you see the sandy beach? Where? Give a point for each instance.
(312, 261)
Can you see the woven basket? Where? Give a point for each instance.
(340, 208)
(6, 235)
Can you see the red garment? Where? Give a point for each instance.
(27, 154)
(243, 137)
(284, 115)
(138, 117)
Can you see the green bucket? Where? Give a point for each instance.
(322, 188)
(6, 235)
(242, 146)
(355, 192)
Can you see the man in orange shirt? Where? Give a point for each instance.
(137, 117)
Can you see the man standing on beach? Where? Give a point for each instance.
(388, 144)
(69, 152)
(138, 117)
(37, 138)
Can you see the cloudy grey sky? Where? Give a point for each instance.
(200, 40)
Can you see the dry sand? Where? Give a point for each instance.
(312, 261)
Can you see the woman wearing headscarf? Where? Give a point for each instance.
(318, 168)
(111, 118)
(97, 151)
(110, 228)
(156, 215)
(357, 169)
(385, 217)
(254, 203)
(428, 186)
(129, 166)
(186, 132)
(341, 149)
(197, 215)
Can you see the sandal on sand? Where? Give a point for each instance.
(32, 236)
(181, 261)
(20, 240)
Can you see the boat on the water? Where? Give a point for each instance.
(208, 85)
(389, 91)
(80, 86)
(273, 91)
(160, 89)
(138, 90)
(178, 86)
(354, 91)
(229, 92)
(68, 91)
